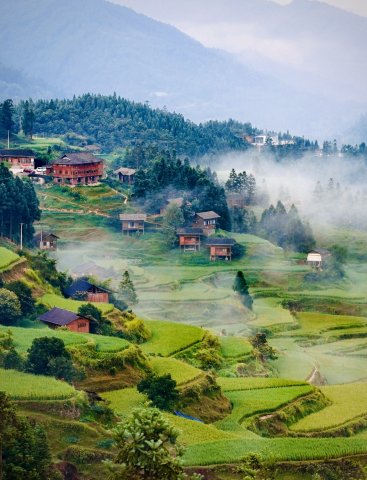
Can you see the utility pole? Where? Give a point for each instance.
(21, 236)
(8, 138)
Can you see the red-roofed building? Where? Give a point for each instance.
(77, 169)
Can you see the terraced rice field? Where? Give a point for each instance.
(348, 402)
(52, 300)
(7, 257)
(180, 371)
(290, 449)
(232, 347)
(251, 402)
(169, 338)
(255, 383)
(24, 386)
(23, 338)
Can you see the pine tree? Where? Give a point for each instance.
(127, 289)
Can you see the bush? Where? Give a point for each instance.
(48, 356)
(24, 294)
(160, 390)
(10, 309)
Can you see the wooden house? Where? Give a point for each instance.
(315, 258)
(133, 222)
(220, 248)
(46, 241)
(77, 169)
(125, 175)
(208, 221)
(57, 317)
(190, 239)
(18, 158)
(83, 289)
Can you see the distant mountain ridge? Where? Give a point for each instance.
(79, 46)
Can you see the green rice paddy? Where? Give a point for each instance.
(24, 386)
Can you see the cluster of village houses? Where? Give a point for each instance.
(87, 169)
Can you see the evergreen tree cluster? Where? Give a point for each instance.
(18, 204)
(112, 121)
(243, 184)
(286, 229)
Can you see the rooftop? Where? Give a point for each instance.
(44, 235)
(58, 316)
(190, 231)
(125, 171)
(16, 152)
(82, 158)
(208, 215)
(82, 285)
(133, 216)
(218, 241)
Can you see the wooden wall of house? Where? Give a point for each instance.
(98, 297)
(81, 325)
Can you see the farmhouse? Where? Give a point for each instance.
(81, 289)
(190, 239)
(133, 222)
(18, 158)
(77, 169)
(220, 248)
(57, 317)
(46, 241)
(125, 175)
(208, 221)
(317, 257)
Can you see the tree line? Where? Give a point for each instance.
(115, 122)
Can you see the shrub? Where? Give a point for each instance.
(10, 309)
(160, 390)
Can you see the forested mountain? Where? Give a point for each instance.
(16, 85)
(95, 46)
(115, 122)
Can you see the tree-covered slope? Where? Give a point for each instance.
(112, 122)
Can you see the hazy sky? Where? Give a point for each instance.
(153, 7)
(355, 6)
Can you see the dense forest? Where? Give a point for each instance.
(114, 122)
(18, 204)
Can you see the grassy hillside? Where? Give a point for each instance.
(23, 338)
(24, 386)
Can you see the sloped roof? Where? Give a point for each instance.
(208, 215)
(217, 241)
(37, 237)
(321, 251)
(79, 158)
(82, 285)
(190, 231)
(16, 152)
(126, 171)
(133, 216)
(58, 316)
